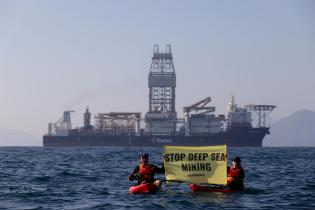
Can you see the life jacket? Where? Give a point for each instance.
(146, 172)
(234, 172)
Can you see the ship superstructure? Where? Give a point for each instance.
(200, 125)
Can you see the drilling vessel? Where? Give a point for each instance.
(199, 127)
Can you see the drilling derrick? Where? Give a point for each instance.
(161, 117)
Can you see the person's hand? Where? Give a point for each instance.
(130, 177)
(229, 179)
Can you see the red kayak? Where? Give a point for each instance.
(198, 188)
(144, 189)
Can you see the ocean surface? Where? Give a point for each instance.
(96, 178)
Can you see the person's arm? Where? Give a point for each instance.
(134, 173)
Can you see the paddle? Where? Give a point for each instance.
(208, 185)
(166, 180)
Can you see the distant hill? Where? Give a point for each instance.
(298, 129)
(11, 137)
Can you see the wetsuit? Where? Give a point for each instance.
(145, 173)
(237, 176)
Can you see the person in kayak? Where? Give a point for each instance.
(144, 173)
(235, 175)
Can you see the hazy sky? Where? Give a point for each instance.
(57, 55)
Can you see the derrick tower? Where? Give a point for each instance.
(161, 117)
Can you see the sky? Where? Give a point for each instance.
(60, 55)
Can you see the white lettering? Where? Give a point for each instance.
(161, 141)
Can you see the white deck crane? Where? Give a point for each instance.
(200, 108)
(63, 125)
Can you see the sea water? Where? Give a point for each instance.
(96, 178)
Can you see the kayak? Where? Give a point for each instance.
(144, 189)
(198, 188)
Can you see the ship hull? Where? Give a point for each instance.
(237, 137)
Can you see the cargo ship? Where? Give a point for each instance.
(200, 126)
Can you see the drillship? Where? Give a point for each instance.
(199, 127)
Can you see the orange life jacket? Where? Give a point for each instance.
(234, 172)
(146, 172)
(235, 178)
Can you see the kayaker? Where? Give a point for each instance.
(144, 173)
(235, 175)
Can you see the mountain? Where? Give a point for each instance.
(298, 129)
(11, 137)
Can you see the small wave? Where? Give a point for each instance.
(253, 191)
(68, 174)
(42, 178)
